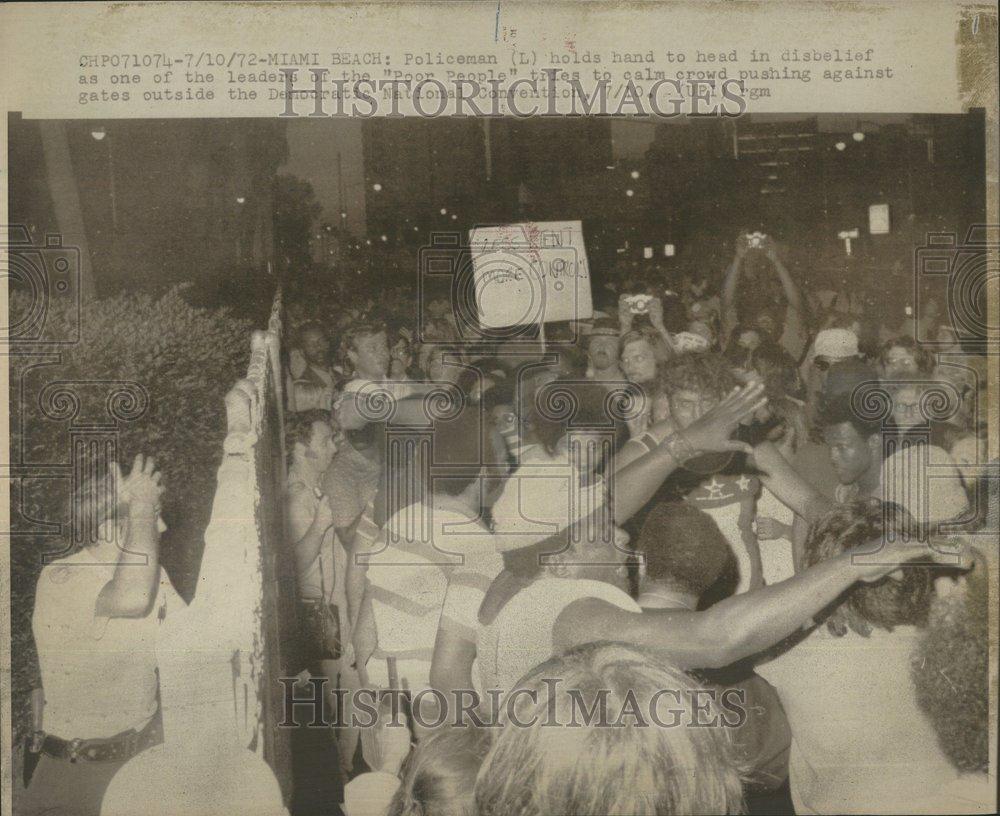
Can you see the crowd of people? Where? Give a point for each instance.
(727, 444)
(706, 550)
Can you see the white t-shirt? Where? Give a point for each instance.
(543, 497)
(98, 674)
(860, 743)
(924, 480)
(408, 584)
(467, 587)
(520, 637)
(777, 559)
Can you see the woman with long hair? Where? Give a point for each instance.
(607, 728)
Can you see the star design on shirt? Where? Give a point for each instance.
(714, 489)
(743, 483)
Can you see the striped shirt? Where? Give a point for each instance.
(409, 574)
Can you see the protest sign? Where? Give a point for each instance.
(529, 273)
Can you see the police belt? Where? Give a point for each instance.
(118, 748)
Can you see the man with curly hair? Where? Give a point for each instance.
(855, 449)
(310, 379)
(725, 486)
(860, 742)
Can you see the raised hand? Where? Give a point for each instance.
(712, 431)
(141, 488)
(769, 529)
(878, 559)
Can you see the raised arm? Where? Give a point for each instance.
(132, 589)
(792, 489)
(656, 321)
(451, 666)
(728, 311)
(636, 482)
(739, 626)
(792, 293)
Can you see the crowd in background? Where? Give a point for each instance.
(734, 433)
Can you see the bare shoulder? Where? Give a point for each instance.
(64, 570)
(588, 619)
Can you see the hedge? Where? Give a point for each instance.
(185, 359)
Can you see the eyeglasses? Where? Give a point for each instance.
(825, 363)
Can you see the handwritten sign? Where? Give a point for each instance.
(529, 273)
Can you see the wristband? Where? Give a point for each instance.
(648, 441)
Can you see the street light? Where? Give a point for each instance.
(98, 133)
(377, 187)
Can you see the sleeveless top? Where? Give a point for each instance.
(520, 637)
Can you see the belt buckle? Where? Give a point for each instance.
(73, 747)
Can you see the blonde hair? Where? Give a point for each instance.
(628, 768)
(439, 775)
